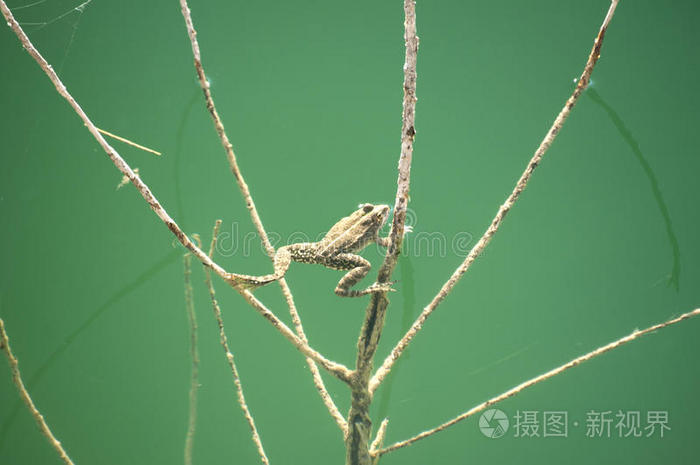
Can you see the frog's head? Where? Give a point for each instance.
(354, 232)
(371, 217)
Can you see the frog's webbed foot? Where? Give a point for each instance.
(376, 287)
(245, 282)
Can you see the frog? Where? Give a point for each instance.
(337, 251)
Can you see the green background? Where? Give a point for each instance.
(604, 240)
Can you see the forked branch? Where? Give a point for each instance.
(503, 210)
(538, 379)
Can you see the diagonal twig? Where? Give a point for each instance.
(378, 440)
(255, 217)
(503, 210)
(27, 399)
(229, 355)
(338, 370)
(538, 379)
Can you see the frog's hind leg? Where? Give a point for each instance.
(282, 260)
(359, 267)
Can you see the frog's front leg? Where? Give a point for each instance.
(385, 241)
(359, 267)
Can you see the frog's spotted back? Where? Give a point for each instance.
(354, 232)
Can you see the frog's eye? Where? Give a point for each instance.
(368, 207)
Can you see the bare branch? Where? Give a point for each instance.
(214, 238)
(194, 352)
(255, 217)
(408, 134)
(229, 356)
(26, 398)
(359, 422)
(503, 210)
(379, 439)
(538, 379)
(326, 397)
(374, 318)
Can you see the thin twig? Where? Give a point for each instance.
(538, 379)
(336, 369)
(229, 354)
(502, 211)
(194, 380)
(379, 439)
(214, 238)
(323, 392)
(359, 421)
(128, 142)
(26, 398)
(255, 217)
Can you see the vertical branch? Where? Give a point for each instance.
(504, 209)
(359, 421)
(408, 134)
(254, 216)
(27, 399)
(194, 382)
(229, 355)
